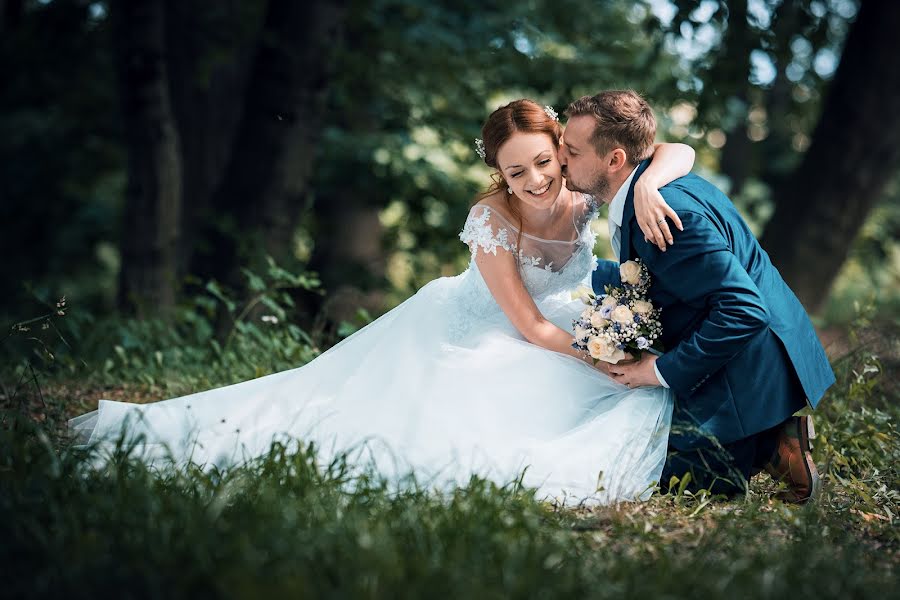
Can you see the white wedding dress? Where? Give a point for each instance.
(442, 386)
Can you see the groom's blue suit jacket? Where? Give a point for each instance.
(741, 354)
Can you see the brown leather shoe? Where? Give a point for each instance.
(792, 462)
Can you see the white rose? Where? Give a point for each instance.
(609, 302)
(596, 347)
(601, 348)
(598, 321)
(622, 315)
(630, 271)
(614, 356)
(587, 313)
(642, 307)
(583, 293)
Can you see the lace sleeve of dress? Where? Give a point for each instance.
(486, 230)
(589, 204)
(585, 211)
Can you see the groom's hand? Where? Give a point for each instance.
(636, 374)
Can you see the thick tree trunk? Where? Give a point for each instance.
(853, 154)
(207, 79)
(147, 279)
(260, 197)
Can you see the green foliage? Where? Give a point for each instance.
(29, 351)
(61, 161)
(860, 441)
(413, 83)
(348, 328)
(190, 351)
(430, 73)
(871, 275)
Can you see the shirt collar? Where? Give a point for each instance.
(617, 206)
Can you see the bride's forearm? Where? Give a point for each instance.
(547, 335)
(670, 161)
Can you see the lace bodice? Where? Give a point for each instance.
(547, 266)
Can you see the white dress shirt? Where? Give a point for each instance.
(616, 212)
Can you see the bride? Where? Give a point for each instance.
(474, 374)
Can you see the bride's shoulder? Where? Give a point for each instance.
(488, 225)
(494, 206)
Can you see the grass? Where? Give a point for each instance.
(285, 526)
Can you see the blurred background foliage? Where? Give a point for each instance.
(150, 147)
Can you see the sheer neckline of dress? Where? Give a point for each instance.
(585, 199)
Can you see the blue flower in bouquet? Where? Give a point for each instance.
(643, 343)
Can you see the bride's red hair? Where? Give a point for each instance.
(525, 116)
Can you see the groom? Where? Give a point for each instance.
(741, 354)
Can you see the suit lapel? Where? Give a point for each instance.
(628, 215)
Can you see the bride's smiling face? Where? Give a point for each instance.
(530, 166)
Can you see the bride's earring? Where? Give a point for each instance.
(509, 189)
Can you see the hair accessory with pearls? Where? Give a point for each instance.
(551, 113)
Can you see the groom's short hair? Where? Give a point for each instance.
(622, 119)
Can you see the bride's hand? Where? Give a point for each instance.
(651, 211)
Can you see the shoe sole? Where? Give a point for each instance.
(806, 431)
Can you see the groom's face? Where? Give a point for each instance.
(583, 169)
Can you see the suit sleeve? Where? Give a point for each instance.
(605, 273)
(701, 271)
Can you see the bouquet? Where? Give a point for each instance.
(621, 320)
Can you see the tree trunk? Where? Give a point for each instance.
(10, 13)
(780, 158)
(853, 154)
(147, 281)
(732, 67)
(737, 155)
(349, 257)
(207, 79)
(259, 200)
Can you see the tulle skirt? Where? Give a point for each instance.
(434, 389)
